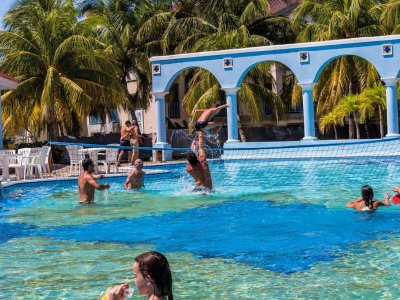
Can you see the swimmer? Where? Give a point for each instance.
(206, 115)
(135, 179)
(366, 201)
(87, 182)
(198, 167)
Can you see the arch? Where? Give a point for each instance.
(173, 77)
(248, 68)
(323, 65)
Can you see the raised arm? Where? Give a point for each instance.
(386, 202)
(221, 107)
(97, 185)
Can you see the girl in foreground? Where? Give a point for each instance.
(152, 278)
(366, 201)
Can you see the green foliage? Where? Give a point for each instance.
(63, 76)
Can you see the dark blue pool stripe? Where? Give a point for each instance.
(280, 238)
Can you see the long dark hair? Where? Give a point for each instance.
(367, 193)
(155, 265)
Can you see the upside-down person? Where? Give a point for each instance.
(198, 168)
(206, 115)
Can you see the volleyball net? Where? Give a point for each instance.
(312, 163)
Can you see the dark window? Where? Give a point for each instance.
(267, 108)
(94, 120)
(114, 116)
(297, 109)
(174, 109)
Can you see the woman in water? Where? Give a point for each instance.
(152, 278)
(366, 201)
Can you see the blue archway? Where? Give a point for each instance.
(305, 60)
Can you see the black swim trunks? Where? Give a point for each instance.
(125, 143)
(200, 125)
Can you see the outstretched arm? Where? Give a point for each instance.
(97, 185)
(386, 202)
(221, 107)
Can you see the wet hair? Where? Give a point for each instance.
(127, 122)
(192, 158)
(216, 104)
(155, 265)
(86, 163)
(367, 193)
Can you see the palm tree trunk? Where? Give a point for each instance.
(351, 128)
(357, 125)
(335, 130)
(381, 122)
(241, 131)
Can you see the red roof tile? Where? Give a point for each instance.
(8, 77)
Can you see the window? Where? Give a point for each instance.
(94, 120)
(174, 109)
(297, 109)
(114, 116)
(267, 108)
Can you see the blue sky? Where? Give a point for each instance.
(4, 6)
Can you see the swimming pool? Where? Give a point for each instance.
(271, 232)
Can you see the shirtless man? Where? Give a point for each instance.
(135, 141)
(87, 183)
(198, 167)
(125, 139)
(206, 115)
(135, 179)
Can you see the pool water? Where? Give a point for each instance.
(271, 237)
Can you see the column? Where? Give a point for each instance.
(1, 122)
(392, 111)
(161, 130)
(232, 120)
(161, 144)
(308, 111)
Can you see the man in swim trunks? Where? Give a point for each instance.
(135, 179)
(198, 168)
(125, 139)
(87, 183)
(206, 115)
(134, 142)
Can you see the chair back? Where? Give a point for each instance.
(24, 154)
(74, 152)
(44, 154)
(7, 152)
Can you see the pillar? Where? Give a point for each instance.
(161, 144)
(1, 122)
(232, 120)
(392, 111)
(308, 111)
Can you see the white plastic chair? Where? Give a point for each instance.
(111, 158)
(38, 161)
(76, 157)
(20, 161)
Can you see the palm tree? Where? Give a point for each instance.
(63, 75)
(340, 19)
(216, 25)
(117, 24)
(373, 99)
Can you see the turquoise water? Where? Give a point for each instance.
(271, 230)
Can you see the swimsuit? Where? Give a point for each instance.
(200, 125)
(125, 143)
